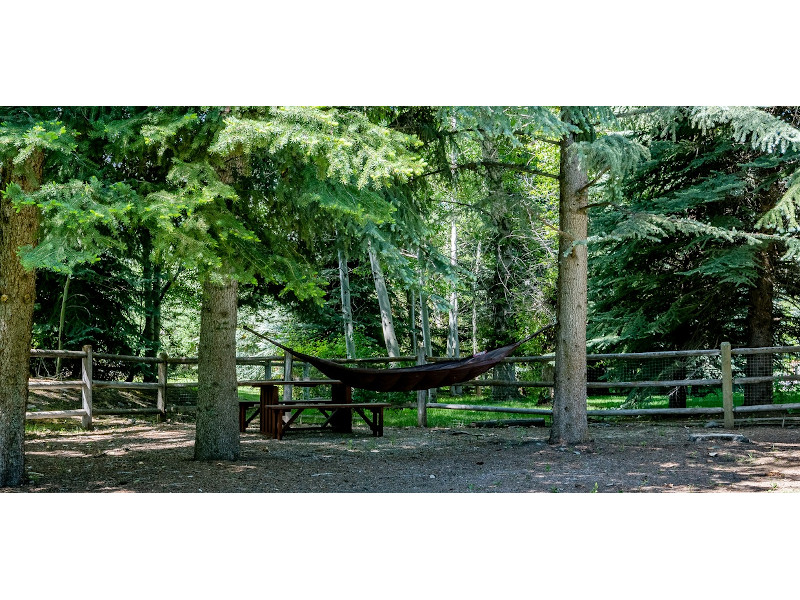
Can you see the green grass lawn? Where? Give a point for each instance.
(407, 417)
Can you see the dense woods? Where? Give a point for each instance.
(369, 230)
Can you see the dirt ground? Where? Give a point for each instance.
(136, 455)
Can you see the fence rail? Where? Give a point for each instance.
(614, 374)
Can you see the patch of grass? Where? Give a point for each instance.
(52, 426)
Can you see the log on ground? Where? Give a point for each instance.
(509, 423)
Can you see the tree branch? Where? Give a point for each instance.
(172, 279)
(546, 141)
(594, 205)
(593, 181)
(474, 166)
(636, 112)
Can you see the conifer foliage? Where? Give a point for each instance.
(249, 158)
(683, 221)
(701, 245)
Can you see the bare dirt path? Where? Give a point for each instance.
(123, 455)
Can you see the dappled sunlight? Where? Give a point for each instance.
(148, 457)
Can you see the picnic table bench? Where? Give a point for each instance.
(339, 416)
(277, 417)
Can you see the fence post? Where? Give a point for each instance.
(86, 387)
(287, 376)
(422, 395)
(306, 376)
(268, 370)
(161, 400)
(727, 384)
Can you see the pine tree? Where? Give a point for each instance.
(684, 259)
(231, 167)
(26, 141)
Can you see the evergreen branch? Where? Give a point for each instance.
(467, 205)
(784, 210)
(591, 183)
(637, 112)
(764, 131)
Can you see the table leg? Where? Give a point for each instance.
(268, 395)
(342, 419)
(278, 431)
(262, 397)
(242, 417)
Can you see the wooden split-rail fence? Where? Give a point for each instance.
(726, 380)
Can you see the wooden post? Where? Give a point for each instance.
(268, 395)
(727, 384)
(86, 387)
(342, 421)
(306, 376)
(161, 399)
(422, 395)
(287, 376)
(268, 370)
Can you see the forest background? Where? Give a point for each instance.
(650, 70)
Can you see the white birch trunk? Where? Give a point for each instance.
(475, 300)
(425, 321)
(347, 310)
(412, 319)
(389, 336)
(453, 350)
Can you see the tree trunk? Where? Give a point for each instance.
(677, 396)
(152, 292)
(62, 314)
(17, 296)
(347, 308)
(502, 313)
(501, 310)
(423, 309)
(411, 300)
(760, 328)
(425, 320)
(475, 348)
(217, 434)
(570, 423)
(453, 350)
(389, 336)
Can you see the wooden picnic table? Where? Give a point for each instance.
(339, 416)
(277, 417)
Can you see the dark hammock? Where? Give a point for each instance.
(407, 379)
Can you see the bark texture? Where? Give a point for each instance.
(389, 335)
(453, 346)
(452, 321)
(347, 309)
(152, 294)
(760, 328)
(17, 295)
(570, 423)
(425, 325)
(502, 314)
(217, 435)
